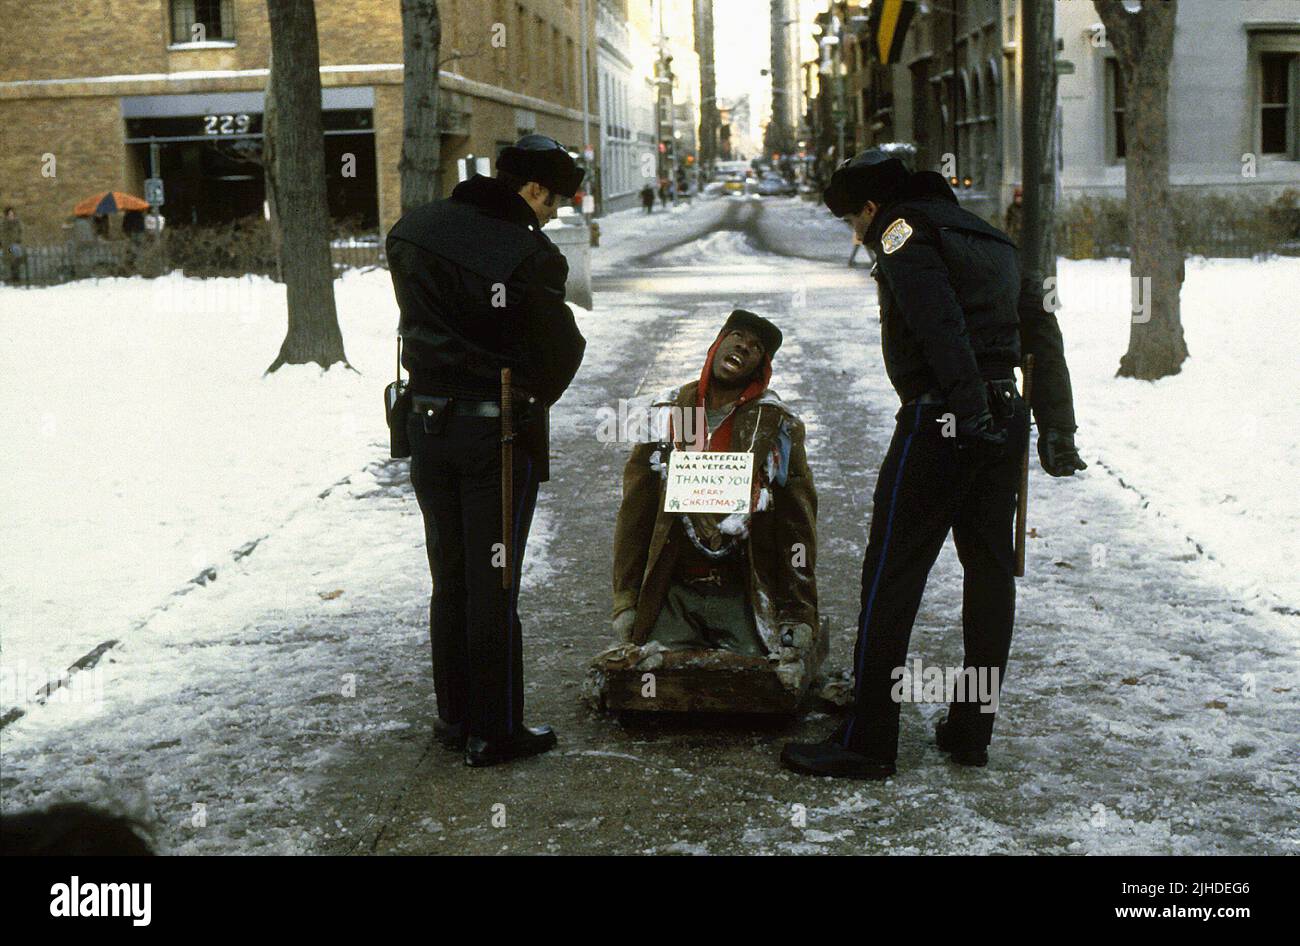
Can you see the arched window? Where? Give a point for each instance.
(993, 96)
(978, 130)
(964, 126)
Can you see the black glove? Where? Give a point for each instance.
(1057, 452)
(976, 433)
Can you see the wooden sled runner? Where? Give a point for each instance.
(650, 678)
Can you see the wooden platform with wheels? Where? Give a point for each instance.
(649, 678)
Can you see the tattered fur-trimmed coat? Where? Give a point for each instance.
(779, 538)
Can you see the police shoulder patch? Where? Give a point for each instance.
(895, 235)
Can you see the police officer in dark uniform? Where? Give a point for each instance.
(481, 288)
(955, 321)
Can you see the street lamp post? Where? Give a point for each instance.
(588, 153)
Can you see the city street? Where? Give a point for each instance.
(1149, 706)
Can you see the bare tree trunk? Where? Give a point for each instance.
(1144, 46)
(421, 139)
(708, 151)
(299, 182)
(268, 175)
(1038, 165)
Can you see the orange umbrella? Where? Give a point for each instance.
(108, 202)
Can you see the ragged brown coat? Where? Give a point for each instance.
(781, 546)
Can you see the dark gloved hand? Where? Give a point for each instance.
(976, 433)
(1057, 452)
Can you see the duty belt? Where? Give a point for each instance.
(427, 405)
(1002, 389)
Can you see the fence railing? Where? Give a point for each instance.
(65, 262)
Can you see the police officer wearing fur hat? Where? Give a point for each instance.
(955, 321)
(481, 288)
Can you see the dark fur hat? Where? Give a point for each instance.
(871, 175)
(544, 160)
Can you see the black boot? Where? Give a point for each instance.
(947, 741)
(526, 742)
(831, 759)
(449, 735)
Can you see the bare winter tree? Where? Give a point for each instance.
(1038, 116)
(298, 187)
(421, 139)
(1142, 34)
(268, 177)
(708, 85)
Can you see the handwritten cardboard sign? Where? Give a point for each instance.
(709, 482)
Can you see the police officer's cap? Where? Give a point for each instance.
(871, 175)
(544, 160)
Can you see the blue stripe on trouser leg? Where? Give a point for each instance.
(875, 581)
(512, 612)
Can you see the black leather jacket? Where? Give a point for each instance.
(481, 288)
(954, 310)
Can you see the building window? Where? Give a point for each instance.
(521, 49)
(570, 77)
(1117, 142)
(993, 141)
(1277, 103)
(557, 67)
(201, 21)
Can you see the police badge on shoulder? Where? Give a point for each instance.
(895, 236)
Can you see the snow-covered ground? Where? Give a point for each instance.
(143, 447)
(1216, 448)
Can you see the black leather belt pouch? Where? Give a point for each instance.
(432, 412)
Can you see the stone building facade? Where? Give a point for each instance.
(1234, 101)
(626, 53)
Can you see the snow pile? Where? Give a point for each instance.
(1215, 447)
(145, 450)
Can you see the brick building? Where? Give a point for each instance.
(91, 97)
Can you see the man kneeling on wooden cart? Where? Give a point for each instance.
(715, 594)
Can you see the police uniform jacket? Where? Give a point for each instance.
(954, 310)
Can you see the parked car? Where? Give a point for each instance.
(774, 185)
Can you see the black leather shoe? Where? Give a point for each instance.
(526, 742)
(831, 759)
(962, 755)
(449, 735)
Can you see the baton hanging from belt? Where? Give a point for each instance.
(507, 479)
(1022, 500)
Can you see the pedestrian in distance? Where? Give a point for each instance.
(11, 245)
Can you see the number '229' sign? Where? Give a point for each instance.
(226, 124)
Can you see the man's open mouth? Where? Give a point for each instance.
(733, 360)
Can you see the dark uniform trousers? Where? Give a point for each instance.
(473, 622)
(928, 486)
